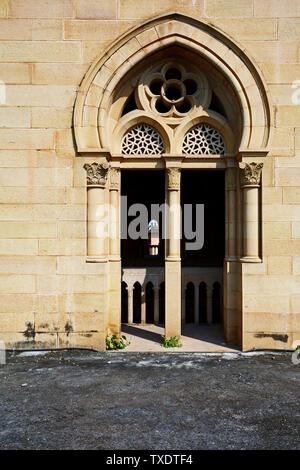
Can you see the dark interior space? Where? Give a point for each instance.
(205, 187)
(137, 303)
(197, 187)
(189, 303)
(142, 187)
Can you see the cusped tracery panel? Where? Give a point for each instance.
(173, 90)
(142, 140)
(203, 140)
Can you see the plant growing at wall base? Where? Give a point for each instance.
(116, 342)
(172, 342)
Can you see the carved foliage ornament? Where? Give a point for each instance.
(251, 173)
(96, 173)
(173, 179)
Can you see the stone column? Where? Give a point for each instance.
(182, 302)
(172, 261)
(143, 306)
(209, 290)
(196, 304)
(230, 279)
(97, 224)
(130, 304)
(231, 251)
(114, 265)
(250, 183)
(156, 305)
(114, 216)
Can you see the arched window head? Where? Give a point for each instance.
(203, 140)
(142, 140)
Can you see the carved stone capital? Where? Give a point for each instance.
(114, 179)
(250, 173)
(96, 173)
(173, 181)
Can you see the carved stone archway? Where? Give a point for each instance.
(95, 93)
(99, 128)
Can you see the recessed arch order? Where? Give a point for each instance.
(94, 97)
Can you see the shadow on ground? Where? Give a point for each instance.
(141, 333)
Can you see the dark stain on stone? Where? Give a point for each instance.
(44, 325)
(68, 328)
(29, 333)
(276, 337)
(24, 345)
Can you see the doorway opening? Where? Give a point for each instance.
(202, 263)
(143, 275)
(142, 257)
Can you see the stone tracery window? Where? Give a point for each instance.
(203, 139)
(142, 140)
(170, 94)
(172, 90)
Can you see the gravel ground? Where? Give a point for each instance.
(187, 401)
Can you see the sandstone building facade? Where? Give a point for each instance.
(101, 96)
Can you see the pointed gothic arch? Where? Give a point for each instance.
(95, 95)
(233, 115)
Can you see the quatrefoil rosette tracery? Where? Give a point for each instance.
(172, 92)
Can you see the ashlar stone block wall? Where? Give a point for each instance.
(49, 295)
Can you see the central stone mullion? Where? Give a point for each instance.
(172, 259)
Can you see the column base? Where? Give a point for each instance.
(173, 259)
(250, 259)
(114, 259)
(96, 259)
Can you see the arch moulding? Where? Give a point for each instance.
(94, 97)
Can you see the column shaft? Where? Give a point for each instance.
(156, 305)
(97, 217)
(143, 306)
(250, 225)
(114, 235)
(182, 302)
(231, 212)
(231, 224)
(130, 305)
(209, 304)
(251, 176)
(97, 225)
(172, 263)
(114, 292)
(196, 304)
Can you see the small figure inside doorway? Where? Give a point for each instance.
(153, 237)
